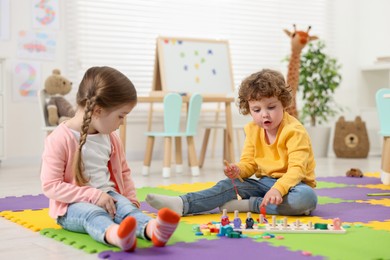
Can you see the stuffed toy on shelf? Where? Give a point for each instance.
(58, 108)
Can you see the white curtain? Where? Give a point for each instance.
(122, 33)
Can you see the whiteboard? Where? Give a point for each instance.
(194, 66)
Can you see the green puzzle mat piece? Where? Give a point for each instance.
(77, 240)
(359, 242)
(84, 242)
(142, 192)
(328, 200)
(325, 184)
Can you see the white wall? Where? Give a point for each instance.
(361, 34)
(24, 137)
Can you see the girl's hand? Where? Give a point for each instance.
(273, 196)
(231, 171)
(108, 203)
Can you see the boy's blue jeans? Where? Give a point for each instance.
(300, 200)
(88, 218)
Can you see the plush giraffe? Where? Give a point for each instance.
(299, 39)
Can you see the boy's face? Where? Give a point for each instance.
(267, 113)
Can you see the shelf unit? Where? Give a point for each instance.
(2, 105)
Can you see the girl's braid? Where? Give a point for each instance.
(79, 174)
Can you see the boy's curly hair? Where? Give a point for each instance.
(263, 84)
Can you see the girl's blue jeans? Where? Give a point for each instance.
(300, 200)
(88, 218)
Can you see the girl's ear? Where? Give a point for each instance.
(97, 111)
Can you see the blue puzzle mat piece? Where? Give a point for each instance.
(33, 202)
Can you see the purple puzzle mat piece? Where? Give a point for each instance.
(351, 180)
(24, 202)
(352, 212)
(347, 193)
(146, 207)
(224, 248)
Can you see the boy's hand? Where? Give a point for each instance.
(108, 203)
(273, 196)
(231, 171)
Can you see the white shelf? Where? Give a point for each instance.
(377, 66)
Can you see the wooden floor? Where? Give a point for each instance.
(17, 242)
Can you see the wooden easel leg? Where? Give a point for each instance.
(229, 132)
(238, 135)
(215, 131)
(225, 146)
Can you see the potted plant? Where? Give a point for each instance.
(319, 77)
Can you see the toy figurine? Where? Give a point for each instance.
(237, 220)
(225, 219)
(249, 221)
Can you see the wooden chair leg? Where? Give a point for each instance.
(178, 154)
(192, 156)
(167, 157)
(148, 155)
(204, 147)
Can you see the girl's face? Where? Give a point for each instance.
(267, 113)
(107, 121)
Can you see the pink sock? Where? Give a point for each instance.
(123, 235)
(165, 224)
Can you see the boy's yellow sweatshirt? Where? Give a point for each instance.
(290, 158)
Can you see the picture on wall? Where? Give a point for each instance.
(26, 79)
(36, 45)
(45, 14)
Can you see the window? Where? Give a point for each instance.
(122, 33)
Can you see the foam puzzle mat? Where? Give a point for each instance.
(366, 220)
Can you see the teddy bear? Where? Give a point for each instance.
(58, 108)
(351, 138)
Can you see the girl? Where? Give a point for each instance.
(277, 151)
(84, 170)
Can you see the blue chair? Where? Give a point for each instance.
(383, 106)
(172, 117)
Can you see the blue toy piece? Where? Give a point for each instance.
(225, 230)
